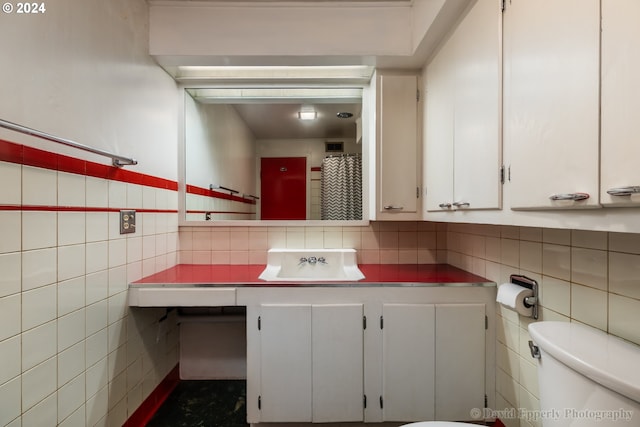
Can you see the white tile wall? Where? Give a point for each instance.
(64, 316)
(393, 243)
(585, 276)
(11, 194)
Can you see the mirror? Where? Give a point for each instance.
(250, 154)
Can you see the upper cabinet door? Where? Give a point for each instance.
(439, 129)
(463, 133)
(551, 102)
(398, 146)
(620, 142)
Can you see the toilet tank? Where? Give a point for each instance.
(586, 377)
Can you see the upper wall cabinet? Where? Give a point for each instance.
(620, 126)
(398, 146)
(551, 102)
(463, 102)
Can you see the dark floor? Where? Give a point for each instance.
(219, 403)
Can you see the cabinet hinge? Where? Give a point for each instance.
(381, 403)
(364, 322)
(259, 402)
(418, 95)
(259, 323)
(417, 192)
(381, 322)
(486, 322)
(486, 401)
(364, 401)
(504, 5)
(502, 174)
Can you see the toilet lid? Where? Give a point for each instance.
(438, 424)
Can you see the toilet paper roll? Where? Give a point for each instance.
(512, 296)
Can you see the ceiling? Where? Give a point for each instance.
(280, 120)
(236, 50)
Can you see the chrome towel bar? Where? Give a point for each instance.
(116, 159)
(220, 187)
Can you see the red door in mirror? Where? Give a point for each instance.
(283, 188)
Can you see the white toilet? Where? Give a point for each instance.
(587, 378)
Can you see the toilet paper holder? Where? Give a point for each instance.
(527, 282)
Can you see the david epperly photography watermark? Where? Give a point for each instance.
(609, 415)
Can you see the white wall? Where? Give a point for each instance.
(312, 147)
(220, 148)
(72, 351)
(81, 71)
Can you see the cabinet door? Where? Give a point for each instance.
(620, 148)
(477, 124)
(285, 363)
(398, 146)
(439, 135)
(551, 73)
(463, 137)
(408, 361)
(337, 363)
(460, 360)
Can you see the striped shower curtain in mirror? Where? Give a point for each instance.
(341, 187)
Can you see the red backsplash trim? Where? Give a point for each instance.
(316, 169)
(25, 155)
(192, 189)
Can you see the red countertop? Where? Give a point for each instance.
(194, 274)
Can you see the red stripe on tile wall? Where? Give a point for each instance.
(76, 209)
(192, 189)
(24, 155)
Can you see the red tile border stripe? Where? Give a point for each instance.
(24, 155)
(43, 208)
(192, 189)
(29, 156)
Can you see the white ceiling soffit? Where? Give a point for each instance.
(383, 34)
(274, 74)
(276, 95)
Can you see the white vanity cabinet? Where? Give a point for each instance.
(398, 146)
(463, 115)
(368, 354)
(311, 365)
(620, 127)
(433, 361)
(551, 102)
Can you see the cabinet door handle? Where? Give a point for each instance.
(393, 208)
(576, 197)
(624, 191)
(461, 204)
(445, 205)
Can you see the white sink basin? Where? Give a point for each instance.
(309, 265)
